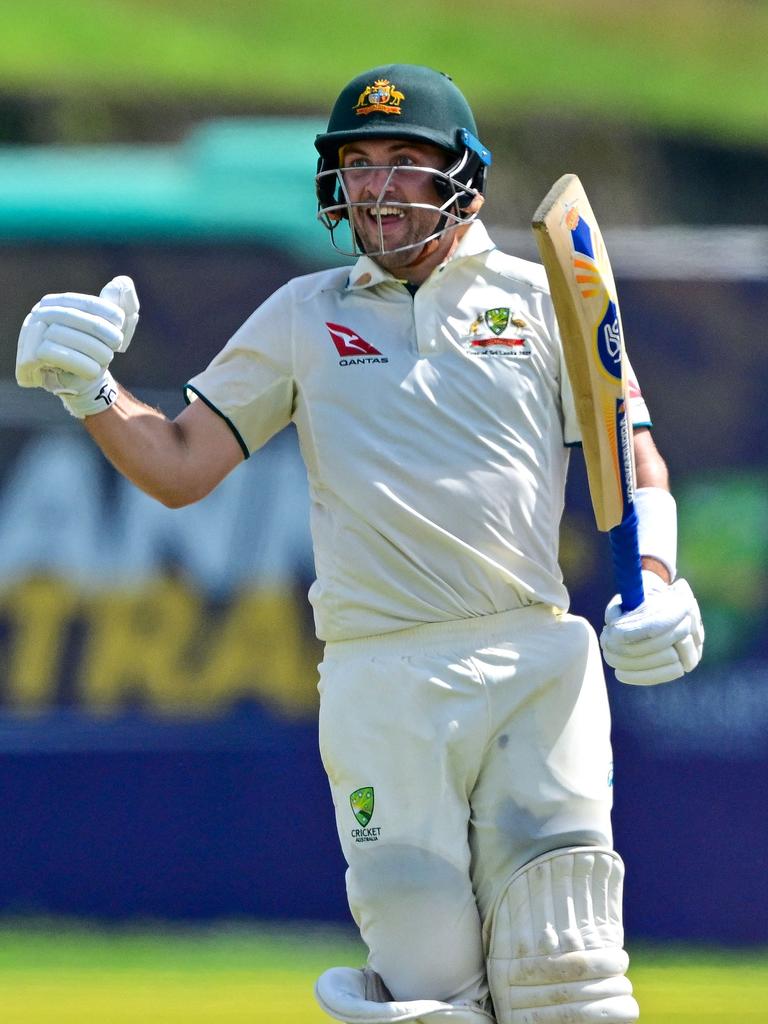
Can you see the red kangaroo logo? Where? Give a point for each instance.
(349, 343)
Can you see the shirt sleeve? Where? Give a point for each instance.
(250, 383)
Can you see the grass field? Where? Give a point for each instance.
(243, 976)
(690, 64)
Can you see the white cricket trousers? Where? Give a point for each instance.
(456, 752)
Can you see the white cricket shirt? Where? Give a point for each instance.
(434, 429)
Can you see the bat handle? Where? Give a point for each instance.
(626, 561)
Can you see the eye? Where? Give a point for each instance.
(358, 161)
(403, 160)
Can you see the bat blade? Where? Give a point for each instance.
(584, 296)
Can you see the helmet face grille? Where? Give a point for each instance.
(338, 188)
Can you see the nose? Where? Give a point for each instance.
(371, 183)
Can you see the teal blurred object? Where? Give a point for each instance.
(222, 181)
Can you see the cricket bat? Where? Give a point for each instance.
(587, 309)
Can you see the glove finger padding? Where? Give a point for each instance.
(122, 292)
(690, 648)
(29, 371)
(657, 642)
(58, 358)
(657, 659)
(102, 308)
(651, 677)
(688, 653)
(614, 639)
(63, 348)
(103, 328)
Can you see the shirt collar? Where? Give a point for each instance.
(366, 272)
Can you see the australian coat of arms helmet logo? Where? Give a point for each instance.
(383, 97)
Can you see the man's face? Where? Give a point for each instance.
(386, 222)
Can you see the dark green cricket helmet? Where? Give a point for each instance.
(404, 101)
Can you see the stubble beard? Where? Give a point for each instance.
(420, 224)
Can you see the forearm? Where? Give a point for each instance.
(175, 461)
(650, 467)
(144, 445)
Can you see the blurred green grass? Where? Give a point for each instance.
(678, 985)
(695, 65)
(166, 975)
(238, 975)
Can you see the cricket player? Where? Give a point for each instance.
(464, 724)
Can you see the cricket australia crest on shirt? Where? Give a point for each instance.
(496, 332)
(361, 802)
(497, 319)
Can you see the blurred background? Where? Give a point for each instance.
(168, 850)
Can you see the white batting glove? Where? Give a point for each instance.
(660, 640)
(68, 340)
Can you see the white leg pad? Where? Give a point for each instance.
(360, 997)
(555, 954)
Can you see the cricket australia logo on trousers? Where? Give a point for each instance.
(353, 349)
(361, 802)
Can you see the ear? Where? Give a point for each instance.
(474, 206)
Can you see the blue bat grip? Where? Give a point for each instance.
(626, 561)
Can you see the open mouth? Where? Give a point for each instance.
(387, 214)
(386, 221)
